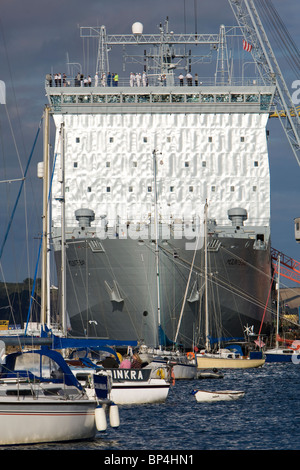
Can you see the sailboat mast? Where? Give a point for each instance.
(44, 295)
(207, 345)
(63, 240)
(278, 302)
(156, 245)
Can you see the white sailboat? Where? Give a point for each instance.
(224, 358)
(128, 386)
(184, 365)
(40, 399)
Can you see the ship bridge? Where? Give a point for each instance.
(185, 99)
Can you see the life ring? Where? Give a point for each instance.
(160, 373)
(190, 356)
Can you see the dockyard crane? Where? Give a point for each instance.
(255, 36)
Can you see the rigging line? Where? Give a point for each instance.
(9, 301)
(20, 191)
(282, 38)
(269, 293)
(13, 89)
(227, 286)
(295, 53)
(221, 282)
(14, 140)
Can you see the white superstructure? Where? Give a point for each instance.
(214, 151)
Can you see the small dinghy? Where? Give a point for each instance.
(218, 395)
(213, 374)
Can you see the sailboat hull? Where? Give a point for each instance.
(226, 363)
(33, 421)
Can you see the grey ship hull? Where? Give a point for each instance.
(112, 290)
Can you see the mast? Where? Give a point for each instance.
(156, 246)
(63, 235)
(278, 302)
(44, 293)
(207, 345)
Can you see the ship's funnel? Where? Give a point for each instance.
(137, 29)
(85, 217)
(237, 216)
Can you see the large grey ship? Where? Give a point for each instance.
(137, 161)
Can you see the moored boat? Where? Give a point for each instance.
(226, 359)
(41, 400)
(128, 386)
(184, 366)
(217, 395)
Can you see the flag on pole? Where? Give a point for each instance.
(247, 47)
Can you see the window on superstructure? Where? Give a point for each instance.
(69, 99)
(89, 189)
(222, 98)
(99, 98)
(191, 189)
(256, 163)
(75, 165)
(207, 98)
(242, 139)
(111, 139)
(107, 164)
(145, 139)
(252, 98)
(254, 188)
(232, 189)
(149, 189)
(108, 189)
(171, 189)
(161, 98)
(193, 98)
(213, 189)
(77, 140)
(113, 98)
(143, 98)
(130, 189)
(177, 98)
(84, 98)
(204, 164)
(169, 139)
(186, 164)
(128, 98)
(210, 139)
(237, 98)
(134, 164)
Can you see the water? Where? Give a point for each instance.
(267, 418)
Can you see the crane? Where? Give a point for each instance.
(254, 33)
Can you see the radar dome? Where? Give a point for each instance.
(137, 28)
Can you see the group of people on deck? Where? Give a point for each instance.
(189, 79)
(135, 362)
(112, 79)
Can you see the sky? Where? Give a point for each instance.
(35, 38)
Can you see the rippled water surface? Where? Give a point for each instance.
(267, 418)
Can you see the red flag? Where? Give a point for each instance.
(247, 47)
